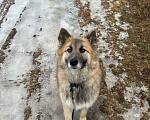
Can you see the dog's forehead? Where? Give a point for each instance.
(76, 42)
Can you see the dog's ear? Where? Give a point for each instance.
(92, 37)
(63, 36)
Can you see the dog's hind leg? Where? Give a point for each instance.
(83, 114)
(67, 112)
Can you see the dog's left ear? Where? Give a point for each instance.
(63, 36)
(92, 37)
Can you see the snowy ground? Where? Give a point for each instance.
(28, 42)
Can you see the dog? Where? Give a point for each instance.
(78, 73)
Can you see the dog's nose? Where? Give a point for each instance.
(73, 62)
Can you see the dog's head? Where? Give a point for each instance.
(76, 53)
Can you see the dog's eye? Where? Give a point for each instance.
(82, 50)
(69, 50)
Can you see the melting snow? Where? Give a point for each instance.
(50, 16)
(135, 113)
(123, 35)
(98, 13)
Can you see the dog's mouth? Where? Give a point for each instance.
(74, 67)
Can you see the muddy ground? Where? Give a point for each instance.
(135, 63)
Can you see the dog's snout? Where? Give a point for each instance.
(73, 62)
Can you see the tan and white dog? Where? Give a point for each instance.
(79, 74)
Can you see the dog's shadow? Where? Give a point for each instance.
(94, 112)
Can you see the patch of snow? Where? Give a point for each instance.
(84, 2)
(12, 16)
(118, 2)
(110, 77)
(130, 93)
(1, 2)
(122, 45)
(50, 16)
(98, 13)
(123, 35)
(110, 4)
(123, 25)
(134, 45)
(117, 15)
(16, 64)
(135, 113)
(12, 103)
(120, 58)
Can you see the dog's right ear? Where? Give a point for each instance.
(63, 36)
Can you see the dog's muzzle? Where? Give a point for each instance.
(74, 63)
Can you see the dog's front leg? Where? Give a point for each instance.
(83, 114)
(67, 112)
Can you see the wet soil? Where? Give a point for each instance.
(27, 113)
(136, 62)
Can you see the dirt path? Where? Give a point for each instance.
(28, 56)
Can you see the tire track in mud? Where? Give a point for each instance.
(6, 45)
(2, 56)
(20, 16)
(34, 85)
(8, 40)
(4, 8)
(11, 35)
